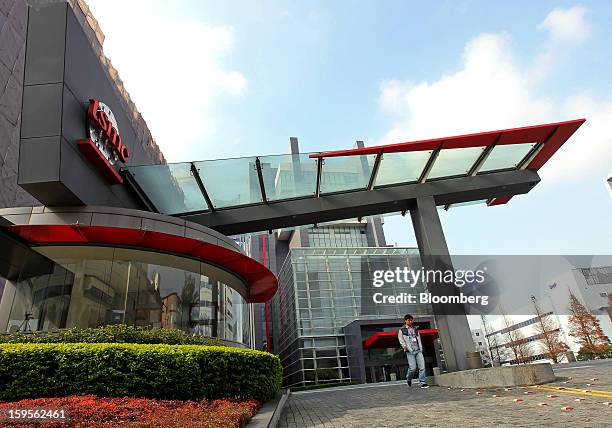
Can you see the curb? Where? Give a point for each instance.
(270, 413)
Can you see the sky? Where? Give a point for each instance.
(230, 79)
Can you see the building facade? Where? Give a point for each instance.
(319, 326)
(480, 343)
(91, 284)
(13, 33)
(79, 245)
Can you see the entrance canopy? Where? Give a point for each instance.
(388, 339)
(269, 192)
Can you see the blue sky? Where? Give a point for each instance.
(228, 79)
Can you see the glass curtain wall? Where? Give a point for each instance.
(113, 290)
(320, 293)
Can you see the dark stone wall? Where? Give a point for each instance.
(13, 18)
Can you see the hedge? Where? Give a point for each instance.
(33, 370)
(119, 333)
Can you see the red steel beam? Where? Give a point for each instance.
(526, 134)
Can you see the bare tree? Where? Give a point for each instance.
(546, 327)
(516, 341)
(584, 326)
(496, 351)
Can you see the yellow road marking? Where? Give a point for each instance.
(600, 391)
(592, 392)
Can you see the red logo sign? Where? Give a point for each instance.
(103, 120)
(104, 147)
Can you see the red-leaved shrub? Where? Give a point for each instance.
(91, 411)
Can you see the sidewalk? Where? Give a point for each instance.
(396, 405)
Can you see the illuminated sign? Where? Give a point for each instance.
(104, 147)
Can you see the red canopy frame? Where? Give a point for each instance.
(548, 138)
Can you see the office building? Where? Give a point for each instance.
(480, 343)
(79, 248)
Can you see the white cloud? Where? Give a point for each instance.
(172, 70)
(493, 90)
(391, 96)
(488, 92)
(566, 29)
(567, 26)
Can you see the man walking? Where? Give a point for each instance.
(411, 342)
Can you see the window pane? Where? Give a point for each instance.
(346, 173)
(398, 168)
(172, 188)
(452, 162)
(230, 182)
(506, 156)
(289, 176)
(325, 342)
(326, 353)
(307, 353)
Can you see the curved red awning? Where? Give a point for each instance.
(388, 339)
(262, 283)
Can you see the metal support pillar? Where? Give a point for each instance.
(454, 330)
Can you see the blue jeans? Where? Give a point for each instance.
(416, 359)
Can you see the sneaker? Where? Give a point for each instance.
(409, 382)
(424, 386)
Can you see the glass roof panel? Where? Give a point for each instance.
(506, 156)
(453, 162)
(172, 188)
(346, 173)
(230, 182)
(235, 182)
(396, 168)
(289, 176)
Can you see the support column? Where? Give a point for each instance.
(451, 320)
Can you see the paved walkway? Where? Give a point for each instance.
(396, 405)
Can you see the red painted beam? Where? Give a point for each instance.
(556, 140)
(527, 134)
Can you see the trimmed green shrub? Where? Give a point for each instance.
(119, 333)
(324, 374)
(32, 370)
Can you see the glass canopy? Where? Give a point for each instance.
(217, 184)
(206, 186)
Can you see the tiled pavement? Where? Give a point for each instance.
(396, 405)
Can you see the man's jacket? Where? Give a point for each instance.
(405, 337)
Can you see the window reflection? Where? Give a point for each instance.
(91, 293)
